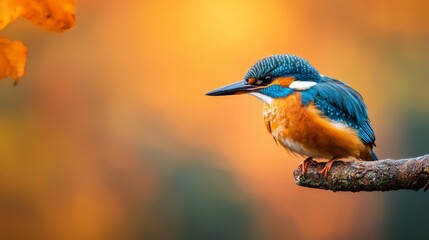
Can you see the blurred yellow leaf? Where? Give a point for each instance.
(52, 15)
(12, 58)
(9, 10)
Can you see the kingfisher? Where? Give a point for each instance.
(307, 113)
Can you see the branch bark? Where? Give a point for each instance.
(355, 176)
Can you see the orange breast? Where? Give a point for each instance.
(304, 131)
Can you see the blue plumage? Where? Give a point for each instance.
(335, 99)
(281, 65)
(276, 91)
(340, 103)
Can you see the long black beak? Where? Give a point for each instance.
(232, 89)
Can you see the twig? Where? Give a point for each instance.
(381, 175)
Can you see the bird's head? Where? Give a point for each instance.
(274, 77)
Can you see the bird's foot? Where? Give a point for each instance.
(304, 164)
(328, 166)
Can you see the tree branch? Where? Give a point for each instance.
(381, 175)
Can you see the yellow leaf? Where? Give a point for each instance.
(12, 58)
(9, 11)
(52, 15)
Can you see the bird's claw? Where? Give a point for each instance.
(328, 166)
(304, 164)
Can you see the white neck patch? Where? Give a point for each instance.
(301, 85)
(262, 97)
(339, 125)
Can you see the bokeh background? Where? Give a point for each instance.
(109, 134)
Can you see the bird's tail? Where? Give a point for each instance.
(374, 156)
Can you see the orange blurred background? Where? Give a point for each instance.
(109, 134)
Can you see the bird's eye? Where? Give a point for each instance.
(267, 79)
(260, 81)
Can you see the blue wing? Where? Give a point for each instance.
(340, 103)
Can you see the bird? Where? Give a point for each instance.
(309, 114)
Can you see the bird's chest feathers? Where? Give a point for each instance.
(281, 113)
(303, 130)
(282, 118)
